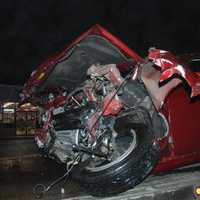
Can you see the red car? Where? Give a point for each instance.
(113, 116)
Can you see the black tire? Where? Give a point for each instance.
(134, 167)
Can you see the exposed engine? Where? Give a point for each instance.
(76, 121)
(83, 120)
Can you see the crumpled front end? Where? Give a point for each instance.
(82, 91)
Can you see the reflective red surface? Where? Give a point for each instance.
(181, 146)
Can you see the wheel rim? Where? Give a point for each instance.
(123, 146)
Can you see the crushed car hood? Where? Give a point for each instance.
(67, 69)
(96, 45)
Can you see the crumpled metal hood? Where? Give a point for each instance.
(96, 45)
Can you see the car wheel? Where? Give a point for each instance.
(134, 155)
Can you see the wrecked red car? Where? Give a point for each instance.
(113, 116)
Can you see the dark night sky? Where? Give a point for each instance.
(32, 30)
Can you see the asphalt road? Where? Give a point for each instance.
(17, 183)
(171, 186)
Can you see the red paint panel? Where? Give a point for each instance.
(170, 65)
(182, 113)
(184, 121)
(173, 162)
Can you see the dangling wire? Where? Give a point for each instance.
(40, 189)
